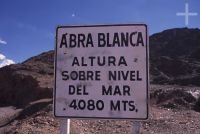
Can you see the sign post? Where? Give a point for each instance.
(101, 71)
(64, 126)
(136, 127)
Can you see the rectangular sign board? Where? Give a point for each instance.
(101, 71)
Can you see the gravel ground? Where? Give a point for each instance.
(162, 120)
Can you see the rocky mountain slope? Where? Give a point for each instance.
(175, 57)
(31, 80)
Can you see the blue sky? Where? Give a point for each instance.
(27, 27)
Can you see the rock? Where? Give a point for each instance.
(173, 98)
(34, 107)
(29, 81)
(8, 114)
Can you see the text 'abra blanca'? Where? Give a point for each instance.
(80, 40)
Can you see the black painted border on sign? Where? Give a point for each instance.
(147, 67)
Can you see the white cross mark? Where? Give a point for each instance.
(186, 14)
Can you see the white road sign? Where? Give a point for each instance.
(101, 71)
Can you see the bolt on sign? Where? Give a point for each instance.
(101, 71)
